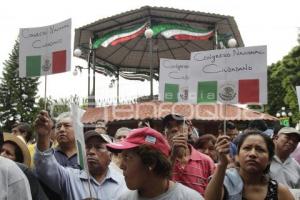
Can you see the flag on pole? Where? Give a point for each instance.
(79, 136)
(45, 50)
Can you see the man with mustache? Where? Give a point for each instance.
(65, 152)
(190, 167)
(284, 168)
(101, 182)
(64, 149)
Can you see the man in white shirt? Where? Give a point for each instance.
(284, 168)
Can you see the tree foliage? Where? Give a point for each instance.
(17, 95)
(283, 77)
(58, 106)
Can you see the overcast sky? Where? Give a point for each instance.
(271, 23)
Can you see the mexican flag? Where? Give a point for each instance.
(116, 37)
(55, 62)
(168, 30)
(181, 32)
(241, 91)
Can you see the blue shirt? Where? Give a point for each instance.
(232, 149)
(63, 159)
(73, 183)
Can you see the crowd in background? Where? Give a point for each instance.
(143, 163)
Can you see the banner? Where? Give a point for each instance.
(79, 136)
(173, 80)
(45, 50)
(234, 75)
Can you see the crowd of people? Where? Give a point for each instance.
(143, 163)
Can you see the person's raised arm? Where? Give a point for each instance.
(47, 168)
(215, 189)
(43, 125)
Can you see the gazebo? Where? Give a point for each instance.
(131, 44)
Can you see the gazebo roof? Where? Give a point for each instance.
(134, 55)
(157, 110)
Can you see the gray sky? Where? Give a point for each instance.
(271, 23)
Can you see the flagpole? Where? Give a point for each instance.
(225, 104)
(45, 97)
(225, 110)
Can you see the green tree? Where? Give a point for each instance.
(57, 106)
(284, 76)
(17, 95)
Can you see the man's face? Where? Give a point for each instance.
(120, 137)
(136, 174)
(232, 133)
(65, 131)
(8, 150)
(15, 131)
(98, 157)
(174, 128)
(286, 143)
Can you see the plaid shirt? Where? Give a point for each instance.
(196, 173)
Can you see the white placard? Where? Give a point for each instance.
(45, 50)
(173, 80)
(234, 75)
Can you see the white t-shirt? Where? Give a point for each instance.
(286, 173)
(176, 192)
(13, 182)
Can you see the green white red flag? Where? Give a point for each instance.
(115, 37)
(45, 50)
(181, 32)
(168, 30)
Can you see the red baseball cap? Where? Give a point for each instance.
(140, 136)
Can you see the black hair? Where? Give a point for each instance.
(172, 117)
(269, 143)
(1, 138)
(229, 125)
(276, 130)
(204, 139)
(152, 157)
(258, 124)
(18, 153)
(24, 128)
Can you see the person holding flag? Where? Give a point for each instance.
(100, 181)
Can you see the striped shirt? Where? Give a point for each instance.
(196, 173)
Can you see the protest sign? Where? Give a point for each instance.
(45, 50)
(234, 75)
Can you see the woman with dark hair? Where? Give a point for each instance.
(250, 180)
(147, 168)
(206, 144)
(14, 148)
(23, 129)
